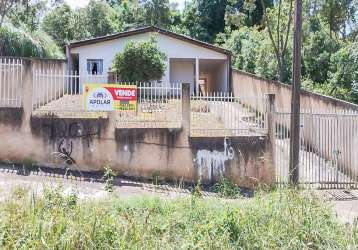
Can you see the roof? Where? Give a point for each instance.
(145, 30)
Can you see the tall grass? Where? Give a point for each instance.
(282, 219)
(19, 41)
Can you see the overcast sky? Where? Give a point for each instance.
(81, 3)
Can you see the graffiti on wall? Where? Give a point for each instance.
(64, 134)
(212, 163)
(64, 151)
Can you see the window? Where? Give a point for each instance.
(95, 66)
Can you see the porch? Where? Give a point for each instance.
(204, 75)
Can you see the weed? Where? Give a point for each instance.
(197, 191)
(156, 177)
(19, 192)
(283, 219)
(226, 189)
(108, 177)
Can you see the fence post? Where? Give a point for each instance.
(26, 93)
(185, 96)
(271, 129)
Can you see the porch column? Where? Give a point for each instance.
(69, 59)
(166, 80)
(197, 75)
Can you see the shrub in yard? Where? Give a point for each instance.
(140, 62)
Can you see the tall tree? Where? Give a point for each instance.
(204, 19)
(245, 12)
(101, 17)
(278, 24)
(5, 7)
(28, 13)
(156, 12)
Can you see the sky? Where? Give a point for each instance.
(82, 3)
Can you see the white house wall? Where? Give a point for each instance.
(182, 71)
(173, 48)
(222, 77)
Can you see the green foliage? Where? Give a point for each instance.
(342, 80)
(252, 51)
(65, 25)
(108, 178)
(29, 13)
(196, 192)
(204, 19)
(157, 13)
(344, 66)
(140, 62)
(156, 177)
(282, 219)
(53, 198)
(23, 42)
(96, 19)
(226, 189)
(101, 19)
(240, 13)
(317, 54)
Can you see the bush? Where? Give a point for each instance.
(19, 41)
(140, 62)
(226, 189)
(108, 178)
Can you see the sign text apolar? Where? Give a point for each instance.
(110, 97)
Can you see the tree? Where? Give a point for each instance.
(278, 24)
(318, 49)
(204, 19)
(130, 14)
(5, 6)
(140, 62)
(156, 12)
(343, 72)
(102, 19)
(65, 25)
(20, 41)
(28, 13)
(245, 12)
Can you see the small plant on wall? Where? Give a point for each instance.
(140, 62)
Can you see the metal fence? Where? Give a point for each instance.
(59, 93)
(328, 149)
(222, 114)
(10, 82)
(159, 105)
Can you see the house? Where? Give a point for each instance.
(205, 66)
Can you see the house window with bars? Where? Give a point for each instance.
(95, 66)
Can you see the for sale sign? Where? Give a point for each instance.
(110, 97)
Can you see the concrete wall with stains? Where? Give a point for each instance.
(91, 144)
(326, 136)
(248, 85)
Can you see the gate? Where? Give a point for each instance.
(328, 149)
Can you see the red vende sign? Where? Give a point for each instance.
(123, 94)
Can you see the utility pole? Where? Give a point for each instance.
(295, 99)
